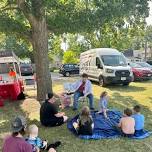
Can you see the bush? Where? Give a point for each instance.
(52, 69)
(70, 57)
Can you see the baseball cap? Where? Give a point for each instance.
(18, 124)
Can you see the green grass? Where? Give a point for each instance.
(120, 98)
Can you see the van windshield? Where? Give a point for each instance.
(114, 60)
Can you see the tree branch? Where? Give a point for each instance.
(8, 6)
(10, 26)
(26, 11)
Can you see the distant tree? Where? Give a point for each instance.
(55, 49)
(21, 47)
(77, 43)
(70, 57)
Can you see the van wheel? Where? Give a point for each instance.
(67, 74)
(101, 82)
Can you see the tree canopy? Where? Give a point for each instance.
(34, 20)
(71, 16)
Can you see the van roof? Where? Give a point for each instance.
(102, 51)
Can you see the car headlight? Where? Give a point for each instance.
(109, 71)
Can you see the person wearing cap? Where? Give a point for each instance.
(83, 88)
(16, 141)
(49, 115)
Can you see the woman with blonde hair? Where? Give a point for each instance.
(84, 125)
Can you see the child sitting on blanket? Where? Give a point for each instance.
(84, 125)
(103, 103)
(139, 119)
(127, 124)
(37, 143)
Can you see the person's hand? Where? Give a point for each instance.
(62, 113)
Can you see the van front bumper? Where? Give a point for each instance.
(117, 80)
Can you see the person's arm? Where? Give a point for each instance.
(54, 111)
(100, 105)
(120, 123)
(92, 123)
(88, 89)
(60, 114)
(75, 86)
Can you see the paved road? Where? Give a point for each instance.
(55, 76)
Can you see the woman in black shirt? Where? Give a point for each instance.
(84, 125)
(49, 115)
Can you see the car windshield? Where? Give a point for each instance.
(144, 64)
(135, 65)
(114, 60)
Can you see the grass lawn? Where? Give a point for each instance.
(120, 98)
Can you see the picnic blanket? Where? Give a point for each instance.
(105, 128)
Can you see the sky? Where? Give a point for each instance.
(149, 19)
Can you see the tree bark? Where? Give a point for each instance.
(40, 48)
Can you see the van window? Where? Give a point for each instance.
(114, 60)
(98, 62)
(71, 66)
(66, 66)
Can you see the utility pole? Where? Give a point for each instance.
(145, 49)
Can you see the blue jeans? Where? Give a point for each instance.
(77, 95)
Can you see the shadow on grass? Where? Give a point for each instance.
(117, 87)
(126, 88)
(117, 101)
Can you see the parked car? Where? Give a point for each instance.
(145, 65)
(69, 69)
(149, 62)
(139, 72)
(26, 69)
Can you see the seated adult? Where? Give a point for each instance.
(16, 141)
(49, 115)
(83, 88)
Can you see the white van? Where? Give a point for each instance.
(106, 66)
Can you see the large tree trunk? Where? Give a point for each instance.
(40, 48)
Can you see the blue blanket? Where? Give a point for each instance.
(105, 128)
